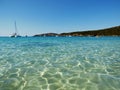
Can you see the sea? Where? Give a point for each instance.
(60, 63)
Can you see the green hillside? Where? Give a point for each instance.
(113, 31)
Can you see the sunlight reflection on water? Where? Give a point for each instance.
(60, 63)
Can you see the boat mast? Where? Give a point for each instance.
(16, 32)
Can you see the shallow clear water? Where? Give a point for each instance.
(60, 63)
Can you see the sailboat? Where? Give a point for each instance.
(16, 32)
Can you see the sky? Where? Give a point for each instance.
(58, 16)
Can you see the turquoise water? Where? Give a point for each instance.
(60, 63)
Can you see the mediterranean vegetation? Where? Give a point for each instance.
(113, 31)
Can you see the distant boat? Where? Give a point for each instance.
(16, 32)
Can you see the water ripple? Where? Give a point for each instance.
(63, 63)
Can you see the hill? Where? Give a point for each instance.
(113, 31)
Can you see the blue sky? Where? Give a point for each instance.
(42, 16)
